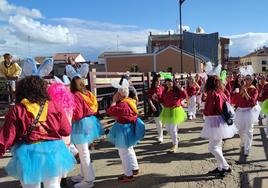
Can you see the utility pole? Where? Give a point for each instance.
(181, 33)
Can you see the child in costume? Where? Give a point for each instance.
(173, 114)
(35, 126)
(64, 98)
(248, 110)
(192, 89)
(154, 95)
(85, 127)
(127, 130)
(215, 128)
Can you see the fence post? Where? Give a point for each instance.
(92, 82)
(144, 97)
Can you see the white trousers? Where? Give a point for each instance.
(192, 106)
(51, 183)
(215, 147)
(173, 132)
(129, 160)
(86, 166)
(246, 136)
(159, 127)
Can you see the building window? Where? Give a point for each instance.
(248, 63)
(263, 69)
(264, 62)
(226, 46)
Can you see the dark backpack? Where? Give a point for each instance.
(228, 113)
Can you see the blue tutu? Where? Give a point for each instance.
(86, 130)
(126, 135)
(35, 163)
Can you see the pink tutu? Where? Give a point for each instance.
(216, 128)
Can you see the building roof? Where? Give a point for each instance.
(64, 56)
(164, 37)
(114, 53)
(261, 52)
(175, 48)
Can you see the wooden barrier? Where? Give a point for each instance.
(100, 84)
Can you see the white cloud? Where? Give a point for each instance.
(25, 27)
(7, 9)
(74, 22)
(245, 43)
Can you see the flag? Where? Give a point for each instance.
(181, 1)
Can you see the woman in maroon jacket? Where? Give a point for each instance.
(215, 128)
(34, 127)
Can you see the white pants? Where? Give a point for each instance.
(52, 183)
(159, 128)
(215, 147)
(192, 106)
(129, 160)
(246, 136)
(173, 132)
(86, 166)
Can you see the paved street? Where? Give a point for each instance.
(186, 169)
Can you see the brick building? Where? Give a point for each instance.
(157, 61)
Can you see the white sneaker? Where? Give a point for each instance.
(190, 117)
(84, 184)
(194, 116)
(77, 179)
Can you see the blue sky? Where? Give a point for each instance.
(94, 26)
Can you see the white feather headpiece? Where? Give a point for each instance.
(121, 88)
(81, 72)
(29, 67)
(248, 70)
(211, 71)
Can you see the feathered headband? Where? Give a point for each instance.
(29, 67)
(124, 85)
(211, 71)
(248, 70)
(166, 75)
(65, 80)
(81, 72)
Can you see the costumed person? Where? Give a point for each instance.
(85, 126)
(263, 95)
(132, 91)
(173, 113)
(248, 110)
(65, 99)
(35, 127)
(198, 80)
(192, 88)
(154, 95)
(215, 127)
(127, 131)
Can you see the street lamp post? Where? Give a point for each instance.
(181, 33)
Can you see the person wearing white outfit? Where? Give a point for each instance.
(247, 113)
(192, 89)
(215, 128)
(154, 95)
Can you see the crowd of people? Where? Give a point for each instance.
(53, 121)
